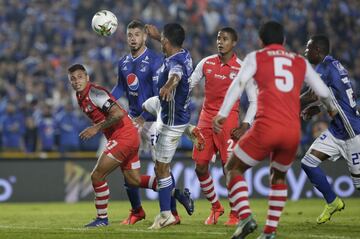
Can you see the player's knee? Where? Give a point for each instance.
(310, 160)
(201, 169)
(133, 181)
(277, 177)
(96, 176)
(356, 180)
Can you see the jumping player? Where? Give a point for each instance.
(137, 78)
(174, 94)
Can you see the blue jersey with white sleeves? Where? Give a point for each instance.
(137, 78)
(346, 123)
(176, 111)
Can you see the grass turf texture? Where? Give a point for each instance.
(60, 220)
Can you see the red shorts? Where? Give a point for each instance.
(277, 141)
(214, 143)
(125, 151)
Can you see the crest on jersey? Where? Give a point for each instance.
(132, 81)
(232, 75)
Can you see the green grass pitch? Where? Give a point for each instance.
(60, 220)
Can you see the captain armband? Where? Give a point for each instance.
(107, 105)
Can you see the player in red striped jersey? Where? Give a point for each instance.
(218, 71)
(279, 75)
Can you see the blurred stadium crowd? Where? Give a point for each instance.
(40, 39)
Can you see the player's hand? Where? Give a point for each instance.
(89, 132)
(152, 31)
(238, 132)
(139, 122)
(333, 113)
(218, 122)
(165, 93)
(310, 111)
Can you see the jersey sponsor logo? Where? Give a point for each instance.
(133, 93)
(210, 63)
(132, 81)
(221, 77)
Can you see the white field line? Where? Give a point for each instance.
(112, 232)
(150, 231)
(328, 236)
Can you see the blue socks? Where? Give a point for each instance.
(133, 195)
(173, 200)
(318, 179)
(165, 187)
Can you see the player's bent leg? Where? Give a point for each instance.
(276, 201)
(165, 218)
(104, 166)
(310, 164)
(208, 189)
(238, 196)
(356, 180)
(132, 182)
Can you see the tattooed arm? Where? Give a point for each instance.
(114, 115)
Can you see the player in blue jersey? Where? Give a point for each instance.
(174, 94)
(342, 138)
(136, 77)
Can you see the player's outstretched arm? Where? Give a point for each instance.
(166, 92)
(153, 32)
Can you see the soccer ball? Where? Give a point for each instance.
(104, 23)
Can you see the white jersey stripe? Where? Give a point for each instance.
(345, 120)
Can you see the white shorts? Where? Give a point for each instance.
(335, 148)
(152, 105)
(168, 140)
(149, 135)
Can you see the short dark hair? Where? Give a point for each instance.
(175, 33)
(271, 32)
(136, 24)
(231, 31)
(322, 42)
(76, 67)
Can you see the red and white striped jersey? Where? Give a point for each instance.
(218, 77)
(279, 75)
(93, 101)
